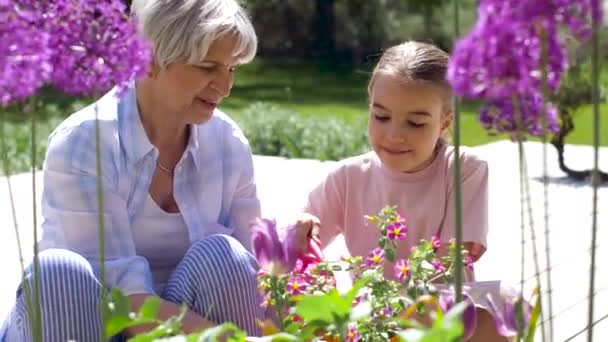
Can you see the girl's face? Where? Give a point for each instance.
(406, 121)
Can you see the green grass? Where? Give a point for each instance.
(324, 92)
(309, 90)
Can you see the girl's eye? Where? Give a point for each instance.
(381, 118)
(232, 69)
(415, 125)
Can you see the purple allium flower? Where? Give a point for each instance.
(500, 115)
(24, 52)
(96, 46)
(352, 335)
(396, 231)
(447, 301)
(402, 269)
(274, 256)
(374, 258)
(502, 57)
(77, 46)
(486, 65)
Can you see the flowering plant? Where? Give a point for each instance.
(408, 304)
(301, 293)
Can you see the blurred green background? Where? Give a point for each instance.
(305, 95)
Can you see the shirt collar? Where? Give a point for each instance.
(132, 132)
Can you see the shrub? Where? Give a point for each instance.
(277, 131)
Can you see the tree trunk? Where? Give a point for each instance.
(558, 141)
(324, 41)
(428, 19)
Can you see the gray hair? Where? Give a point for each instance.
(183, 30)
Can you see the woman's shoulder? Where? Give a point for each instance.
(76, 135)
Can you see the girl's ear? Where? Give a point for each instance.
(446, 121)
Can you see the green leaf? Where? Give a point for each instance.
(390, 255)
(536, 310)
(118, 304)
(225, 330)
(149, 310)
(116, 324)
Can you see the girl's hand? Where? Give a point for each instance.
(305, 230)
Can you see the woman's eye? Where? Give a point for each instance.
(382, 118)
(415, 125)
(232, 69)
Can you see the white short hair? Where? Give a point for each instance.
(183, 30)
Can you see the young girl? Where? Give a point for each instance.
(411, 166)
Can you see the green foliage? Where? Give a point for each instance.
(276, 131)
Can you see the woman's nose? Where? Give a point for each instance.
(223, 84)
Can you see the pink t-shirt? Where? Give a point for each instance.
(363, 186)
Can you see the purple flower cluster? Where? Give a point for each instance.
(502, 58)
(24, 53)
(76, 46)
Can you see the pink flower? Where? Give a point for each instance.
(352, 335)
(435, 241)
(359, 298)
(386, 312)
(399, 218)
(296, 286)
(438, 265)
(374, 258)
(468, 261)
(396, 231)
(402, 269)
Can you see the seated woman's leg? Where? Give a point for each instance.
(217, 279)
(69, 300)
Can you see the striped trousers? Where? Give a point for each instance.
(216, 279)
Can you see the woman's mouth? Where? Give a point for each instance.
(209, 104)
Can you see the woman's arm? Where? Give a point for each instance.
(191, 323)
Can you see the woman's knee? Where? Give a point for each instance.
(223, 251)
(61, 269)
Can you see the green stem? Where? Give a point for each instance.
(101, 223)
(36, 264)
(7, 174)
(457, 188)
(595, 70)
(545, 132)
(278, 300)
(519, 137)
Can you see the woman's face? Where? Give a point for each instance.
(191, 92)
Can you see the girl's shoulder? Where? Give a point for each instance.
(470, 160)
(472, 164)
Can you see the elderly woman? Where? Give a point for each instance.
(178, 187)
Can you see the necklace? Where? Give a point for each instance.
(166, 170)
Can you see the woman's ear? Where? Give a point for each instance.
(153, 71)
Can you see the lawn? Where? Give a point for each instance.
(305, 89)
(318, 91)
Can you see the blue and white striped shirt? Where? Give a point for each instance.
(214, 186)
